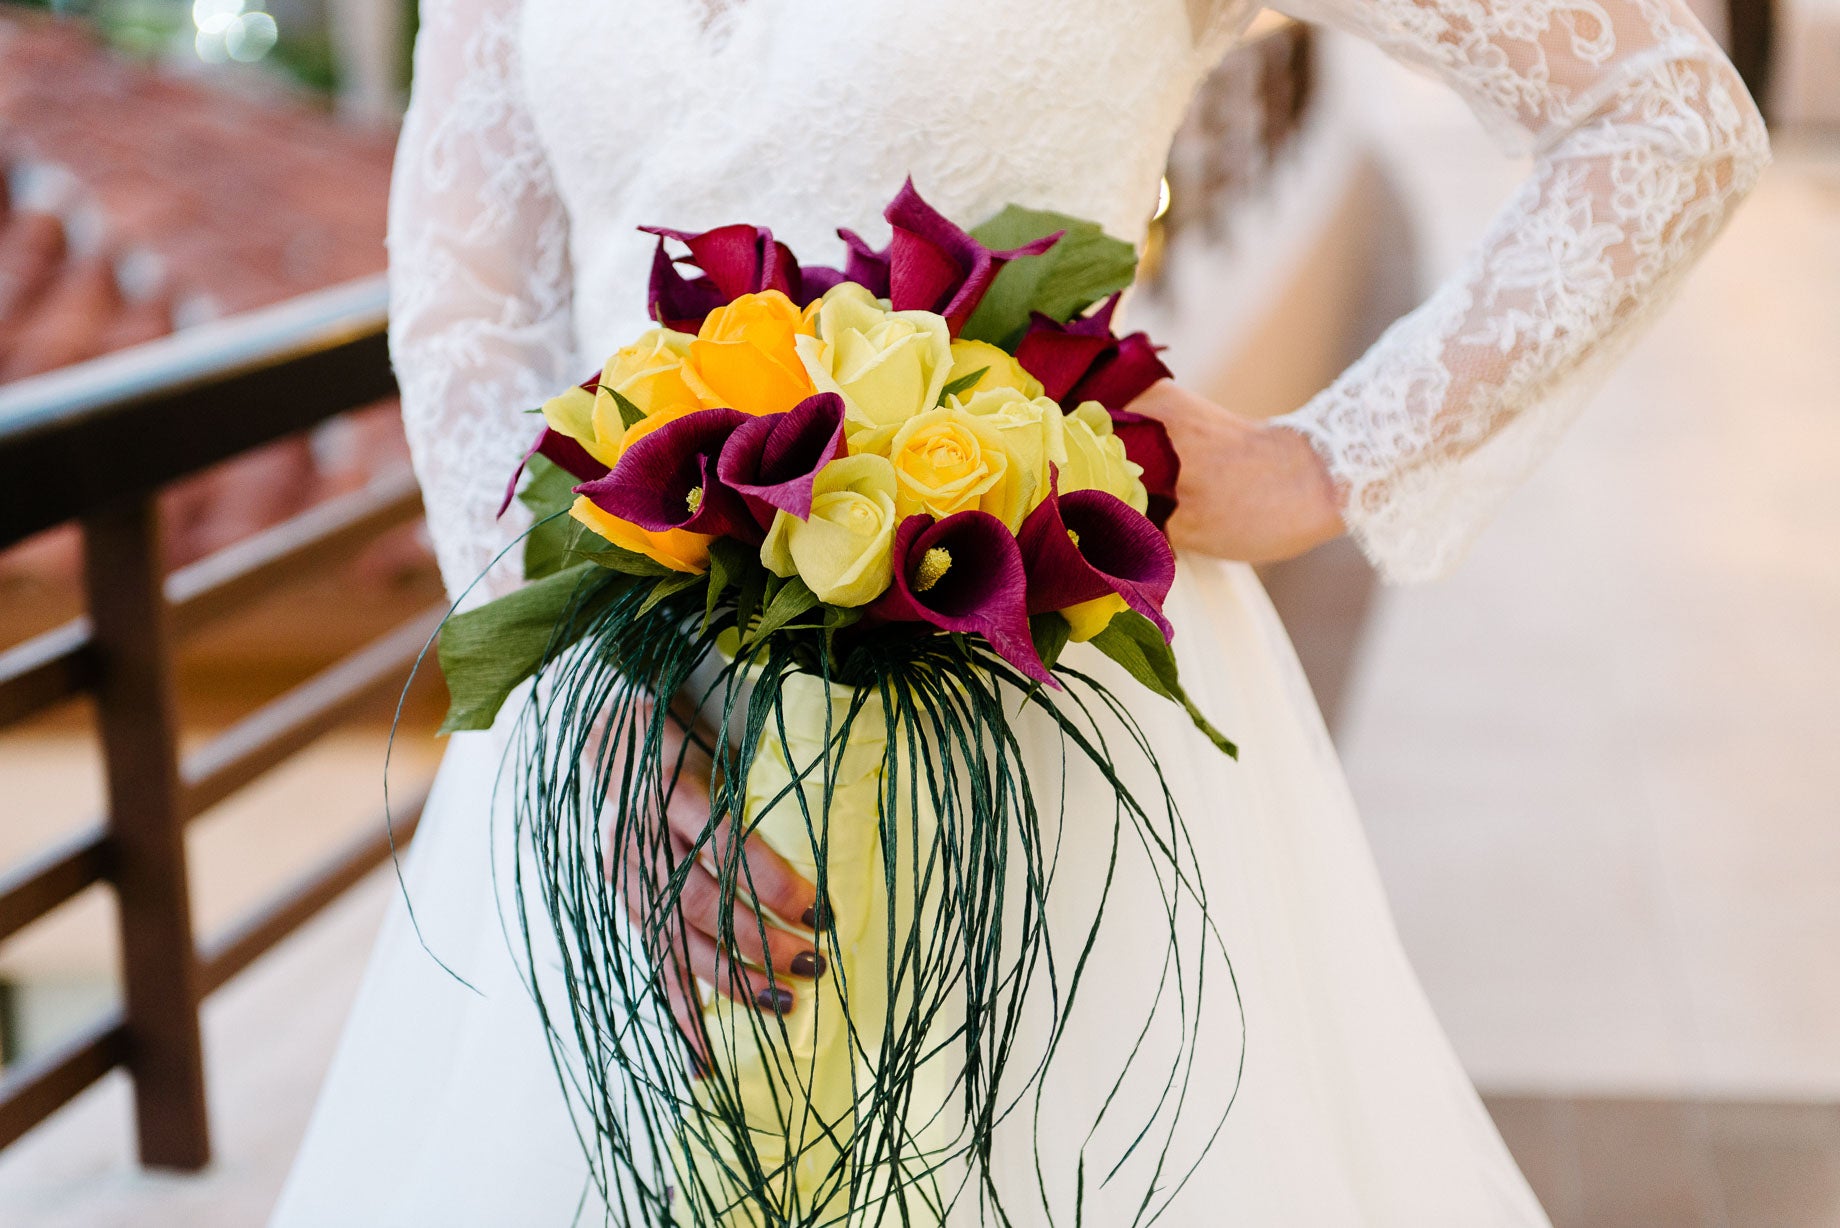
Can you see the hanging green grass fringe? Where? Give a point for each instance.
(925, 1010)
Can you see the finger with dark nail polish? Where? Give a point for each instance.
(808, 963)
(778, 1000)
(817, 917)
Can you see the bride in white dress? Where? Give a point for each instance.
(542, 132)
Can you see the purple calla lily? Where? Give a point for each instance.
(562, 451)
(771, 461)
(862, 264)
(931, 264)
(735, 260)
(865, 266)
(1084, 544)
(669, 479)
(1083, 360)
(679, 302)
(964, 574)
(1059, 355)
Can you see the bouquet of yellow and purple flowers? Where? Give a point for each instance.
(850, 518)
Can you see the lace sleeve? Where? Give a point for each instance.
(479, 281)
(1645, 140)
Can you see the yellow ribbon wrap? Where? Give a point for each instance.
(798, 1077)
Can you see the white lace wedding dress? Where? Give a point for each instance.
(543, 131)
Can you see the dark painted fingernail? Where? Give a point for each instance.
(808, 963)
(698, 1066)
(778, 1000)
(817, 917)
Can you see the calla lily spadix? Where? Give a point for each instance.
(964, 573)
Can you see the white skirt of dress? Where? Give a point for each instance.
(442, 1108)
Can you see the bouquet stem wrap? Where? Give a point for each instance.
(817, 794)
(904, 791)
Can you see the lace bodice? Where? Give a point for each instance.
(543, 131)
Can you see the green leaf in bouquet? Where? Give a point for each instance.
(627, 562)
(548, 487)
(630, 414)
(729, 562)
(961, 384)
(1050, 632)
(1135, 643)
(485, 653)
(555, 540)
(670, 586)
(547, 546)
(1085, 266)
(792, 600)
(749, 593)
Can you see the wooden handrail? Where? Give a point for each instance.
(335, 529)
(44, 670)
(96, 443)
(286, 726)
(56, 875)
(105, 430)
(254, 935)
(40, 1088)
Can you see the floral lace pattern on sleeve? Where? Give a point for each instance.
(1645, 141)
(479, 283)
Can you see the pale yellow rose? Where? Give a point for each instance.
(1096, 459)
(678, 549)
(998, 367)
(650, 374)
(948, 461)
(887, 365)
(744, 356)
(572, 413)
(1089, 618)
(844, 550)
(1033, 434)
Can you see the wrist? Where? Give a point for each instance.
(1315, 494)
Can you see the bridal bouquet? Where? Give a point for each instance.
(840, 525)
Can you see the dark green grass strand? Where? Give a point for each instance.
(588, 772)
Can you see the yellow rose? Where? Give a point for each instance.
(1033, 434)
(1089, 618)
(887, 365)
(650, 374)
(572, 414)
(999, 370)
(1096, 458)
(844, 550)
(744, 357)
(678, 549)
(947, 460)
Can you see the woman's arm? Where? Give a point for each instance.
(1645, 141)
(479, 282)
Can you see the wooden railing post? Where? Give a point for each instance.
(135, 703)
